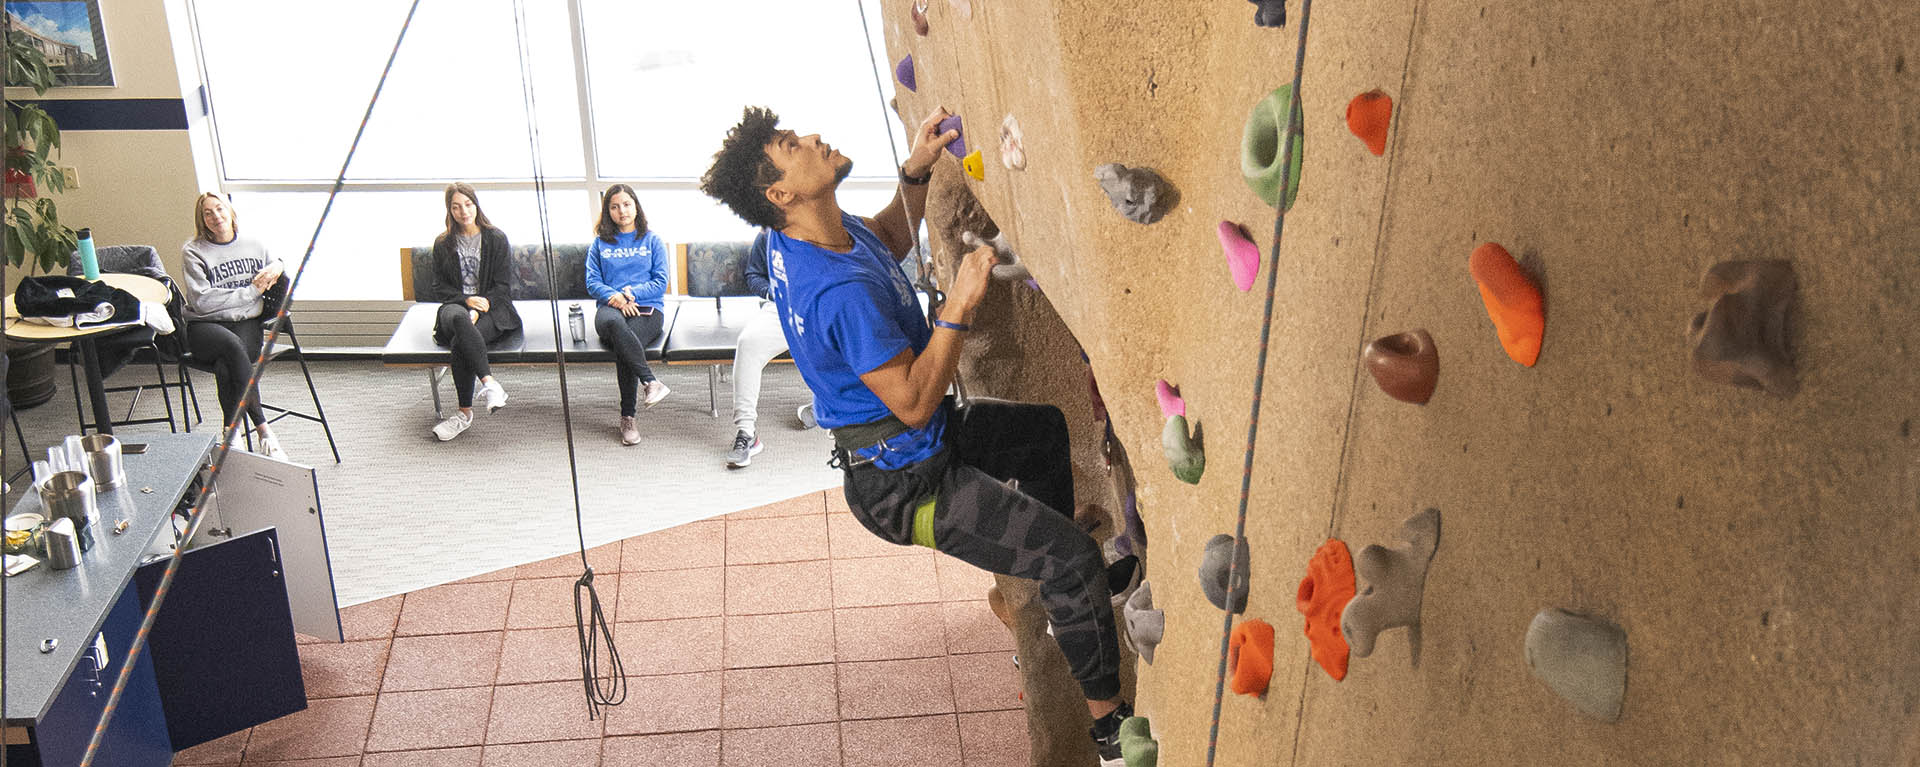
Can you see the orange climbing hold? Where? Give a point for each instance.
(1370, 116)
(1250, 657)
(1324, 593)
(1513, 301)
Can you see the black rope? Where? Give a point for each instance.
(194, 516)
(920, 256)
(1260, 368)
(589, 621)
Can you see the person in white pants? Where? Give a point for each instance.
(760, 341)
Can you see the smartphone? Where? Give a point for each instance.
(133, 448)
(646, 311)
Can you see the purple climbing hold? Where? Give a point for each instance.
(959, 145)
(903, 72)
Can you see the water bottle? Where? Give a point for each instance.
(577, 323)
(89, 263)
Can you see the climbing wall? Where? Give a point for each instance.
(1759, 552)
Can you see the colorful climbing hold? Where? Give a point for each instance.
(1169, 397)
(1323, 594)
(1405, 365)
(1583, 659)
(1137, 746)
(1741, 339)
(1269, 13)
(1224, 589)
(959, 144)
(1370, 116)
(1261, 152)
(920, 17)
(903, 72)
(997, 602)
(1513, 301)
(1145, 625)
(1186, 455)
(1243, 256)
(975, 167)
(1250, 657)
(1139, 193)
(1013, 152)
(1396, 583)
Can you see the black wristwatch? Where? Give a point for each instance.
(915, 180)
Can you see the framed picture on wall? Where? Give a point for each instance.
(69, 34)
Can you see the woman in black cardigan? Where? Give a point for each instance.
(471, 267)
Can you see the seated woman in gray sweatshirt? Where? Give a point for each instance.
(227, 278)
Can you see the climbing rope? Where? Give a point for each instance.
(589, 620)
(1260, 366)
(194, 516)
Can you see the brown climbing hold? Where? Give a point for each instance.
(1370, 116)
(1741, 339)
(1513, 302)
(997, 602)
(1406, 365)
(920, 17)
(1323, 594)
(1250, 657)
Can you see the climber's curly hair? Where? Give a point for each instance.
(742, 171)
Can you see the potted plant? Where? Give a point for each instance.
(35, 238)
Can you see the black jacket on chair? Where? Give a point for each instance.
(496, 279)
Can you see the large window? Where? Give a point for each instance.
(661, 83)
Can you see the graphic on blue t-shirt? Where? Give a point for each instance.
(845, 314)
(634, 262)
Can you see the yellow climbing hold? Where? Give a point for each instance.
(975, 167)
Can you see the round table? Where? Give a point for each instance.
(147, 289)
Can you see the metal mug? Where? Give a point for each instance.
(103, 461)
(69, 495)
(63, 545)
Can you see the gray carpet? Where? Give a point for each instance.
(404, 511)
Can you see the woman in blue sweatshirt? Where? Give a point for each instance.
(627, 275)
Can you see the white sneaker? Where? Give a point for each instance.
(271, 445)
(805, 414)
(656, 391)
(493, 396)
(452, 427)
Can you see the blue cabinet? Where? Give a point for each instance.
(137, 735)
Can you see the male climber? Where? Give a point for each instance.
(918, 470)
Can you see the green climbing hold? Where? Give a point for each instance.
(1260, 149)
(1185, 454)
(1137, 745)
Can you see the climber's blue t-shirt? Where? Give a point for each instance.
(845, 314)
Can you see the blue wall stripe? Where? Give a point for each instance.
(117, 114)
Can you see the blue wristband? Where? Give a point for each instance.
(951, 325)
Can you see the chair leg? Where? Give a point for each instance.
(433, 385)
(160, 374)
(188, 395)
(301, 355)
(79, 411)
(713, 390)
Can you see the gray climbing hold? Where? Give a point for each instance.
(1145, 625)
(1583, 659)
(1140, 194)
(1213, 572)
(1186, 454)
(1009, 268)
(1395, 581)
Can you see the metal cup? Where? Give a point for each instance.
(69, 495)
(103, 461)
(63, 545)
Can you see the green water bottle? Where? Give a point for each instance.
(89, 262)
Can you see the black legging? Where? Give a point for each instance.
(229, 346)
(454, 329)
(629, 338)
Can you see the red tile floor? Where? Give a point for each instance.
(785, 636)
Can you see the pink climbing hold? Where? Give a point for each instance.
(903, 72)
(1243, 256)
(959, 145)
(1170, 402)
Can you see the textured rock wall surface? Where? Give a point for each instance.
(1759, 552)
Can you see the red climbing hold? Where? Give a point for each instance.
(1370, 116)
(1513, 302)
(1324, 593)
